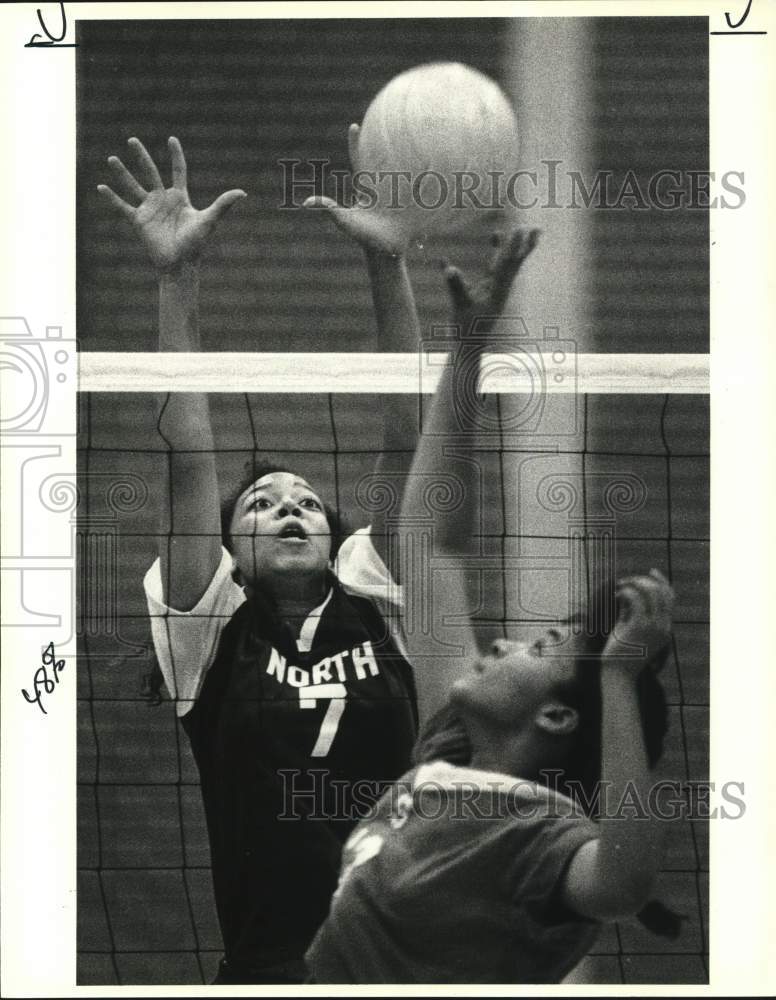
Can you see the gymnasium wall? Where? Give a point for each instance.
(650, 101)
(241, 96)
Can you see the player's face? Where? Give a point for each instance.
(279, 527)
(512, 680)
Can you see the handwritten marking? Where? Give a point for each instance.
(744, 16)
(41, 682)
(734, 27)
(54, 41)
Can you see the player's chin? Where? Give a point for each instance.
(477, 693)
(298, 558)
(464, 690)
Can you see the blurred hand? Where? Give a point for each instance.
(171, 229)
(644, 620)
(373, 230)
(486, 300)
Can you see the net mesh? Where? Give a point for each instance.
(146, 912)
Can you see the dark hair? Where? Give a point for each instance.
(254, 470)
(583, 692)
(444, 737)
(152, 682)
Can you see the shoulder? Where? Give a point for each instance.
(363, 573)
(222, 596)
(186, 641)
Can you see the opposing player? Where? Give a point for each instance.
(276, 641)
(489, 871)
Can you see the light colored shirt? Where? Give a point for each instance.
(454, 879)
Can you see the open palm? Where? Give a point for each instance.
(171, 229)
(485, 300)
(374, 230)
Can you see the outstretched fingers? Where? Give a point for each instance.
(508, 261)
(321, 201)
(148, 164)
(372, 230)
(459, 290)
(127, 179)
(490, 294)
(353, 133)
(222, 204)
(342, 217)
(178, 161)
(118, 203)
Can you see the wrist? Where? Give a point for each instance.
(184, 272)
(179, 308)
(622, 670)
(384, 257)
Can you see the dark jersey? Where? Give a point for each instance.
(292, 747)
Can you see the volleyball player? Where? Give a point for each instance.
(488, 870)
(276, 641)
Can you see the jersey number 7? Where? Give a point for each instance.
(335, 694)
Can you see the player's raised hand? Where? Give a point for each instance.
(485, 300)
(374, 230)
(645, 613)
(171, 229)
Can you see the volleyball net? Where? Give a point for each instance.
(625, 474)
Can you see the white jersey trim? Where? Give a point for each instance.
(186, 642)
(306, 637)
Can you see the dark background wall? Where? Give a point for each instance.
(651, 113)
(244, 95)
(240, 96)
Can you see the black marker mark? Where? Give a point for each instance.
(743, 18)
(734, 27)
(41, 682)
(53, 40)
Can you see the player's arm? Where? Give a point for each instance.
(612, 876)
(398, 327)
(447, 422)
(174, 234)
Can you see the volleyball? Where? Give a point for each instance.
(436, 132)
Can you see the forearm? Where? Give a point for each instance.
(184, 419)
(448, 445)
(179, 308)
(398, 331)
(431, 598)
(189, 516)
(451, 430)
(629, 846)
